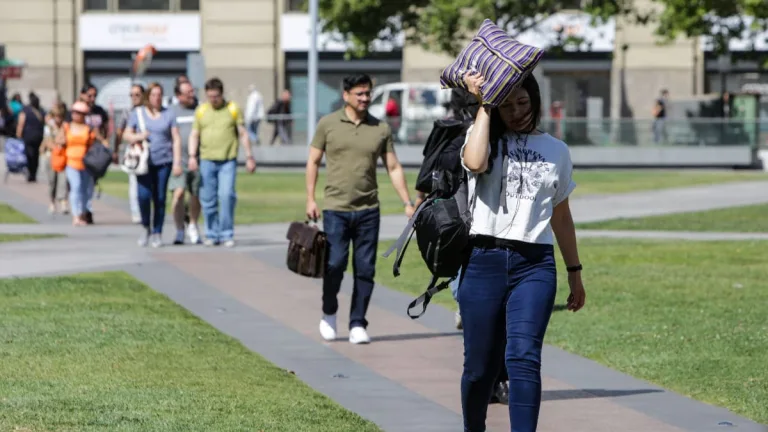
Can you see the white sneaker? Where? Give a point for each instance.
(328, 327)
(459, 325)
(229, 243)
(210, 243)
(358, 335)
(136, 219)
(156, 241)
(179, 237)
(143, 239)
(193, 234)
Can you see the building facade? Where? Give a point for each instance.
(66, 43)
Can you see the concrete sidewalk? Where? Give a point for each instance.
(406, 380)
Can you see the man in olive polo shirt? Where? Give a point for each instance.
(352, 141)
(217, 127)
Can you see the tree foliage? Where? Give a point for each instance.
(440, 24)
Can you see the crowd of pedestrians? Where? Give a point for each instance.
(506, 288)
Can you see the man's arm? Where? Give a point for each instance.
(312, 170)
(192, 143)
(397, 176)
(245, 141)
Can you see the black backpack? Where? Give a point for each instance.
(443, 219)
(441, 169)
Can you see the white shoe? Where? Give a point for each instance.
(358, 335)
(143, 239)
(156, 241)
(210, 243)
(193, 234)
(328, 327)
(229, 243)
(136, 219)
(459, 325)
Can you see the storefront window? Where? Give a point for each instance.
(295, 5)
(144, 5)
(189, 5)
(95, 5)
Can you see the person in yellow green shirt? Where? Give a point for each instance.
(216, 131)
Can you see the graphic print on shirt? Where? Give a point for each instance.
(527, 171)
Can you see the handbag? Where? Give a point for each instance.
(136, 155)
(58, 158)
(307, 250)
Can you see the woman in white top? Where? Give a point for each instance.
(508, 288)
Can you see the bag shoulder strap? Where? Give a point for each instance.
(426, 297)
(405, 237)
(200, 111)
(232, 107)
(140, 117)
(504, 169)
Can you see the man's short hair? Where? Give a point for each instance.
(214, 84)
(177, 87)
(356, 80)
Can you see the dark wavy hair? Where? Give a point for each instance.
(498, 128)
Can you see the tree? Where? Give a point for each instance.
(723, 20)
(435, 24)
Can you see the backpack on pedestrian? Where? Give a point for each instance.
(442, 221)
(15, 157)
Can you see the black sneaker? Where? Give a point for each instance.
(501, 393)
(88, 217)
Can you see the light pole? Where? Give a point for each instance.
(312, 72)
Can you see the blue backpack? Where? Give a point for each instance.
(15, 158)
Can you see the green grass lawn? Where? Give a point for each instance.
(690, 317)
(752, 218)
(5, 238)
(280, 196)
(102, 352)
(622, 181)
(9, 215)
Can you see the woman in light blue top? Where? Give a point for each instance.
(156, 126)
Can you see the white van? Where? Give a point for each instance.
(419, 105)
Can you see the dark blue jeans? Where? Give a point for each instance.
(153, 190)
(362, 229)
(507, 295)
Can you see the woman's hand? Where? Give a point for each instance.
(474, 81)
(177, 171)
(578, 296)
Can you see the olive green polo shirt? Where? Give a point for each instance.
(351, 155)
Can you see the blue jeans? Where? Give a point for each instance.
(362, 229)
(218, 198)
(506, 294)
(455, 286)
(80, 190)
(152, 191)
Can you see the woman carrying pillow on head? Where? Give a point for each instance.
(508, 288)
(78, 137)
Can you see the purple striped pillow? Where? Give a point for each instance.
(501, 60)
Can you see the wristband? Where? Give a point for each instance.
(409, 203)
(574, 269)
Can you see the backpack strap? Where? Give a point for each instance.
(232, 107)
(201, 110)
(425, 298)
(402, 242)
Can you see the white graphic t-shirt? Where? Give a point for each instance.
(538, 179)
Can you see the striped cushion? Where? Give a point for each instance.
(501, 60)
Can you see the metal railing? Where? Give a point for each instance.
(603, 132)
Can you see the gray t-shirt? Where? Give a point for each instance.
(160, 137)
(185, 117)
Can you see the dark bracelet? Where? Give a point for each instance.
(574, 269)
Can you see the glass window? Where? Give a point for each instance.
(95, 5)
(144, 5)
(295, 5)
(189, 5)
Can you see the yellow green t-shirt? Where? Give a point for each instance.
(218, 131)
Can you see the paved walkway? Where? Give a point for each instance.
(407, 380)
